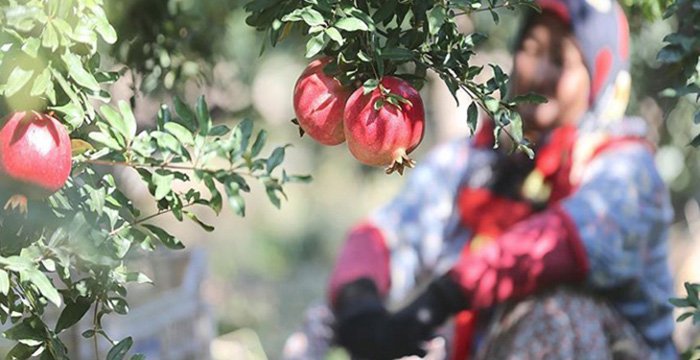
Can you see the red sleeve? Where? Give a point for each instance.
(364, 254)
(542, 251)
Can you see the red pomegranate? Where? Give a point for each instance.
(382, 132)
(319, 101)
(35, 156)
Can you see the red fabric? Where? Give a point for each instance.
(554, 160)
(623, 30)
(601, 70)
(484, 137)
(488, 214)
(364, 254)
(557, 7)
(534, 254)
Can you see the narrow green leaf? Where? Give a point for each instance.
(684, 316)
(106, 31)
(679, 302)
(4, 282)
(219, 130)
(17, 79)
(72, 313)
(49, 37)
(203, 115)
(119, 351)
(185, 114)
(529, 98)
(138, 357)
(129, 120)
(31, 46)
(78, 72)
(260, 140)
(472, 117)
(166, 238)
(192, 216)
(275, 159)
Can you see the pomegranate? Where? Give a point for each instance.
(319, 101)
(381, 130)
(35, 156)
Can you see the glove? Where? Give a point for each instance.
(368, 331)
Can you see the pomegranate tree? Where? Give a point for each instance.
(385, 125)
(35, 156)
(319, 101)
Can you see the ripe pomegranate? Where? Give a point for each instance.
(319, 101)
(35, 156)
(382, 130)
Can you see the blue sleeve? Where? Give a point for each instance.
(622, 212)
(413, 224)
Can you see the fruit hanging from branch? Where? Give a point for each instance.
(386, 124)
(319, 101)
(35, 157)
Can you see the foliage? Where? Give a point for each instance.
(682, 53)
(692, 300)
(168, 41)
(373, 38)
(71, 251)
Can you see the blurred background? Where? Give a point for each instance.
(248, 283)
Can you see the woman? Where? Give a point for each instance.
(560, 257)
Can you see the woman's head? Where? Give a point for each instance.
(548, 62)
(575, 52)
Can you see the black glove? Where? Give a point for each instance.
(368, 331)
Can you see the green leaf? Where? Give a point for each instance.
(369, 85)
(106, 31)
(472, 117)
(335, 35)
(396, 54)
(166, 238)
(312, 17)
(184, 112)
(684, 316)
(491, 104)
(31, 46)
(17, 79)
(41, 83)
(193, 217)
(679, 302)
(275, 159)
(315, 45)
(696, 141)
(119, 351)
(129, 120)
(49, 37)
(259, 143)
(72, 313)
(78, 72)
(163, 182)
(180, 132)
(529, 98)
(21, 352)
(45, 286)
(219, 130)
(138, 357)
(203, 116)
(351, 24)
(105, 140)
(235, 199)
(115, 120)
(4, 282)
